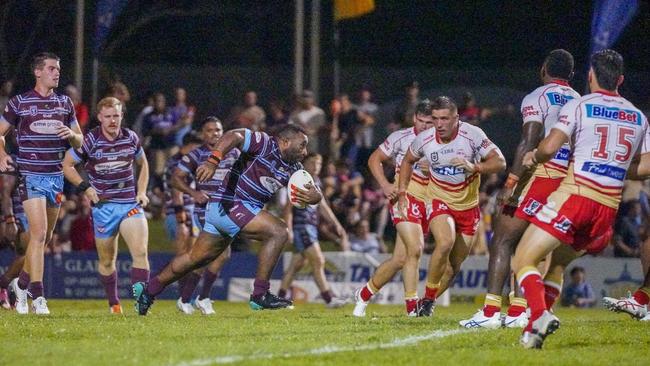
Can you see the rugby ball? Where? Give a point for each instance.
(298, 179)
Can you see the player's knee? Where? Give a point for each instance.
(38, 236)
(225, 256)
(444, 246)
(318, 262)
(280, 233)
(106, 264)
(399, 260)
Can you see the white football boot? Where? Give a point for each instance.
(516, 321)
(184, 307)
(205, 306)
(39, 306)
(479, 320)
(626, 305)
(360, 306)
(544, 326)
(21, 297)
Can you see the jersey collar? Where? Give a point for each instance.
(607, 92)
(560, 82)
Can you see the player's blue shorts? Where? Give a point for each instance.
(107, 217)
(49, 187)
(220, 222)
(192, 224)
(304, 237)
(199, 219)
(21, 221)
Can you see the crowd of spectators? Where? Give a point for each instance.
(345, 134)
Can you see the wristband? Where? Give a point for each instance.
(216, 157)
(83, 186)
(512, 181)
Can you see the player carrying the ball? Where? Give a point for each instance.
(264, 167)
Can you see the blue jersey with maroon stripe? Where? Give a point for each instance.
(110, 164)
(258, 173)
(36, 119)
(170, 165)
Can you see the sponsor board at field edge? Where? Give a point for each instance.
(74, 276)
(348, 271)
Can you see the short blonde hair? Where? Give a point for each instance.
(109, 102)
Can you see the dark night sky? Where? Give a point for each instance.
(449, 34)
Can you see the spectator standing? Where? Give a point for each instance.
(183, 115)
(406, 108)
(367, 114)
(80, 108)
(277, 116)
(161, 128)
(312, 119)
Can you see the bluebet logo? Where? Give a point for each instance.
(558, 99)
(613, 114)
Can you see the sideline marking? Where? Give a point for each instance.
(399, 342)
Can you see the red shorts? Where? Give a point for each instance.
(466, 220)
(535, 196)
(416, 213)
(580, 222)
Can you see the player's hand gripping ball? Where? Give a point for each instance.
(300, 179)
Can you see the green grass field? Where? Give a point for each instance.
(83, 333)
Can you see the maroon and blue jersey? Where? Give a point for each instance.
(258, 173)
(190, 162)
(170, 165)
(307, 216)
(36, 118)
(109, 164)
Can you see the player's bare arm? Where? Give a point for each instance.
(493, 163)
(179, 182)
(73, 177)
(546, 149)
(375, 164)
(143, 180)
(327, 212)
(5, 159)
(230, 140)
(72, 134)
(8, 220)
(406, 170)
(532, 134)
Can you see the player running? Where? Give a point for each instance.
(179, 220)
(606, 131)
(457, 153)
(185, 172)
(235, 209)
(410, 228)
(540, 111)
(303, 233)
(46, 125)
(108, 153)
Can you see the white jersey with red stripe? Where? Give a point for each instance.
(452, 185)
(605, 131)
(395, 146)
(543, 105)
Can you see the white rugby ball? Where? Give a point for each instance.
(298, 179)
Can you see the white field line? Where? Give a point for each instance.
(398, 342)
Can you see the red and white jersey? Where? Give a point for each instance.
(395, 146)
(452, 185)
(543, 105)
(605, 131)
